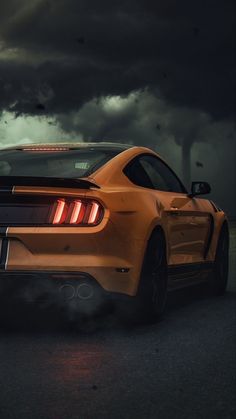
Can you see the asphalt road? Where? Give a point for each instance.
(182, 367)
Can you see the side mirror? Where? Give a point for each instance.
(199, 188)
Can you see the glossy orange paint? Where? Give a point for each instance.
(131, 213)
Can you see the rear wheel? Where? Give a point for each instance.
(152, 291)
(221, 266)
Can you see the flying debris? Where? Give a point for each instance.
(199, 164)
(80, 40)
(40, 107)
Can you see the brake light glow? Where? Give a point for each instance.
(75, 216)
(93, 213)
(45, 149)
(59, 212)
(84, 212)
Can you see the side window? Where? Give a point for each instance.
(150, 172)
(137, 174)
(161, 176)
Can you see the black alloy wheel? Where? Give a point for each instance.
(221, 266)
(152, 292)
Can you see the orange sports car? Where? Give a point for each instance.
(100, 220)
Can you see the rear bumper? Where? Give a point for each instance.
(99, 252)
(55, 288)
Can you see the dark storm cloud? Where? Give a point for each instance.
(61, 54)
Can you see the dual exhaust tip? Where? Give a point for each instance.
(83, 291)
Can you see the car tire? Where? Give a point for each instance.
(221, 264)
(152, 290)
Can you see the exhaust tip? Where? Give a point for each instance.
(82, 291)
(85, 291)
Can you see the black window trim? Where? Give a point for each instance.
(163, 162)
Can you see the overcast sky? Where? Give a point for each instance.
(156, 73)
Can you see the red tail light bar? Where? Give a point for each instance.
(77, 212)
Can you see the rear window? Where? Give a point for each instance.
(68, 164)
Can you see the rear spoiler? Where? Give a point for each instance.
(7, 182)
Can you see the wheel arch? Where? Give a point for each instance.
(146, 274)
(224, 228)
(221, 224)
(158, 229)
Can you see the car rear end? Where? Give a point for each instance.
(56, 234)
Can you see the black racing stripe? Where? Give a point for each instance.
(4, 190)
(3, 231)
(4, 253)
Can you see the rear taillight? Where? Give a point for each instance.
(76, 212)
(60, 211)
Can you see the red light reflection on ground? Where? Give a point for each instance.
(79, 364)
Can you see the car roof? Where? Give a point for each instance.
(108, 146)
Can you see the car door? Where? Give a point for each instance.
(188, 224)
